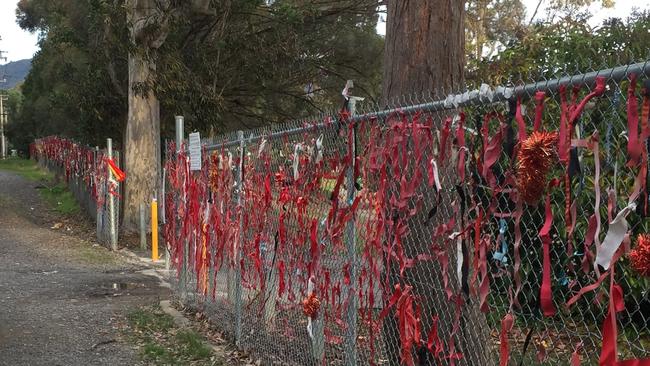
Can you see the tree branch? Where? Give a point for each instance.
(539, 3)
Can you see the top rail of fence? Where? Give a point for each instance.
(468, 98)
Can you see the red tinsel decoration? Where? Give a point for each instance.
(640, 255)
(311, 305)
(536, 157)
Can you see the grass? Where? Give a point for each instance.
(192, 345)
(58, 196)
(162, 343)
(27, 169)
(95, 256)
(150, 319)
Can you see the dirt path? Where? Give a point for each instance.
(62, 300)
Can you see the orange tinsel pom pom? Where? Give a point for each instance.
(640, 255)
(536, 158)
(311, 305)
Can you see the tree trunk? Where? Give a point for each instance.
(425, 47)
(142, 134)
(141, 143)
(149, 27)
(425, 52)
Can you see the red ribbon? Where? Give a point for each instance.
(484, 287)
(506, 326)
(517, 265)
(609, 353)
(119, 174)
(491, 148)
(575, 356)
(444, 135)
(633, 145)
(546, 293)
(434, 344)
(645, 114)
(565, 133)
(314, 249)
(477, 239)
(409, 327)
(569, 114)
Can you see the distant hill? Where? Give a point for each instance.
(14, 72)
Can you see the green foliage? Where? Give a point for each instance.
(162, 343)
(192, 345)
(546, 51)
(568, 46)
(490, 23)
(241, 64)
(15, 72)
(150, 320)
(77, 82)
(252, 64)
(27, 169)
(57, 196)
(60, 198)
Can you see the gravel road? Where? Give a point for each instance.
(62, 300)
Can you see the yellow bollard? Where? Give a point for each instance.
(154, 230)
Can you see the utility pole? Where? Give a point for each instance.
(3, 114)
(3, 118)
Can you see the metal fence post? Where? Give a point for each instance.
(163, 204)
(111, 201)
(99, 216)
(180, 135)
(240, 239)
(351, 243)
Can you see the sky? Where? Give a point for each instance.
(622, 9)
(19, 44)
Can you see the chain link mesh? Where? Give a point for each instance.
(287, 238)
(85, 171)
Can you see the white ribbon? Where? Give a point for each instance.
(310, 289)
(296, 159)
(346, 91)
(459, 255)
(506, 92)
(436, 177)
(319, 149)
(615, 235)
(261, 149)
(207, 213)
(485, 92)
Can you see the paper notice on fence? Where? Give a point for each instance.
(195, 151)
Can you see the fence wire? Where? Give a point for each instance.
(85, 171)
(400, 237)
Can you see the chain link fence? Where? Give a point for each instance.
(400, 237)
(85, 170)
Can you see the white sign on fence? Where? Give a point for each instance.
(195, 151)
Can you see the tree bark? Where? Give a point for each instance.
(142, 135)
(141, 144)
(425, 47)
(425, 52)
(149, 27)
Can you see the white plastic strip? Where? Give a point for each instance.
(615, 235)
